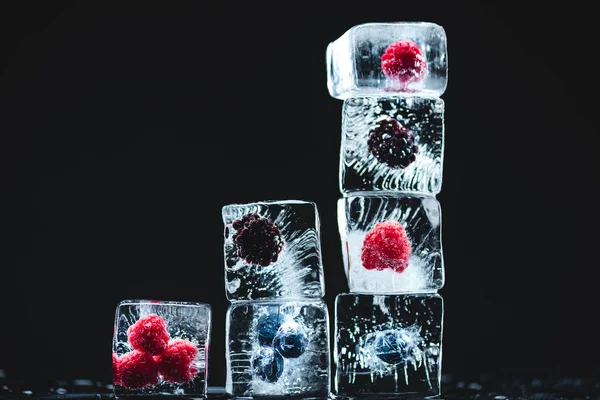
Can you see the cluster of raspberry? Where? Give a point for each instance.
(388, 328)
(154, 353)
(160, 348)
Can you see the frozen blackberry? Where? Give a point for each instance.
(258, 240)
(392, 144)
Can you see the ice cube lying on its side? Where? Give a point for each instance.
(400, 58)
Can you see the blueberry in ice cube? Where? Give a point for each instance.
(267, 364)
(266, 328)
(392, 346)
(291, 339)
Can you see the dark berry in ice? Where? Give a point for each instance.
(266, 328)
(149, 334)
(115, 369)
(392, 144)
(137, 370)
(291, 339)
(403, 62)
(386, 246)
(176, 363)
(267, 364)
(258, 240)
(391, 347)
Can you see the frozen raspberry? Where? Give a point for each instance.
(392, 144)
(258, 240)
(137, 370)
(115, 369)
(403, 62)
(176, 363)
(149, 334)
(386, 246)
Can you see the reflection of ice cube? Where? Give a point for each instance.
(354, 60)
(421, 218)
(295, 272)
(299, 326)
(388, 344)
(184, 320)
(359, 167)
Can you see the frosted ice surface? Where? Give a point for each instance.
(278, 348)
(354, 60)
(388, 344)
(274, 253)
(419, 216)
(360, 167)
(186, 321)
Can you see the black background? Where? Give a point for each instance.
(125, 127)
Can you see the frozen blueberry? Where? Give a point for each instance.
(291, 339)
(266, 328)
(267, 364)
(392, 347)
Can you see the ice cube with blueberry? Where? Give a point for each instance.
(161, 348)
(399, 58)
(272, 249)
(392, 144)
(388, 345)
(278, 348)
(391, 242)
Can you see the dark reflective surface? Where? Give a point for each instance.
(536, 389)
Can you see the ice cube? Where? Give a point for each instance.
(272, 249)
(391, 242)
(388, 345)
(392, 144)
(399, 58)
(161, 348)
(278, 348)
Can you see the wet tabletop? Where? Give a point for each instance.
(516, 389)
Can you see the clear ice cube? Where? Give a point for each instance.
(278, 348)
(161, 348)
(388, 345)
(391, 242)
(355, 66)
(373, 158)
(272, 249)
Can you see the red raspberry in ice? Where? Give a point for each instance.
(258, 240)
(115, 369)
(386, 246)
(176, 363)
(149, 334)
(404, 62)
(137, 370)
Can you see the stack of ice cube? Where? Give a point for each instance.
(388, 329)
(277, 325)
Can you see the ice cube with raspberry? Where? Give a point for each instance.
(391, 242)
(388, 58)
(160, 347)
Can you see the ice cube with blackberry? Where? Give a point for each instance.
(272, 249)
(392, 144)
